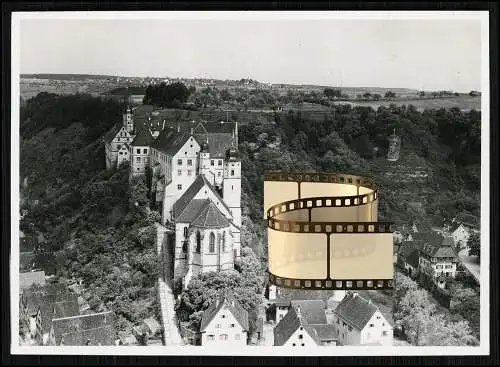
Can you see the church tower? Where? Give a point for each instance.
(231, 191)
(204, 166)
(128, 120)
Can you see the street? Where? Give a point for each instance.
(472, 263)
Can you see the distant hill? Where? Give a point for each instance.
(67, 76)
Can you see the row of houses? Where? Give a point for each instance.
(316, 318)
(50, 314)
(432, 254)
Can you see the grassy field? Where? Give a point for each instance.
(464, 102)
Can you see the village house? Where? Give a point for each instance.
(305, 325)
(224, 322)
(437, 258)
(408, 259)
(88, 329)
(39, 305)
(358, 321)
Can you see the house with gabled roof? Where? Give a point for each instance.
(116, 138)
(408, 257)
(224, 322)
(437, 258)
(305, 325)
(87, 329)
(358, 321)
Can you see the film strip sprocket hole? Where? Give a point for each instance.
(323, 232)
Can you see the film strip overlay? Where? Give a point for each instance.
(323, 232)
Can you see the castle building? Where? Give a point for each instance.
(117, 141)
(195, 181)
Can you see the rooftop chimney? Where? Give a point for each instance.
(354, 294)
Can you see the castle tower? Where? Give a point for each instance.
(128, 120)
(231, 191)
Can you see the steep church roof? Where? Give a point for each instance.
(210, 217)
(200, 181)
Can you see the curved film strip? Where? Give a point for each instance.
(323, 232)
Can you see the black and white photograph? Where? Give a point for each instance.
(141, 142)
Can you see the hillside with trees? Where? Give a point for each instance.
(98, 228)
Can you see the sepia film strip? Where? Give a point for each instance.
(323, 232)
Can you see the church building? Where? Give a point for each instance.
(196, 182)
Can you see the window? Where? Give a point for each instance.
(138, 151)
(217, 326)
(218, 173)
(198, 242)
(350, 328)
(237, 337)
(179, 187)
(211, 337)
(223, 241)
(179, 162)
(185, 231)
(121, 153)
(211, 247)
(301, 336)
(223, 316)
(302, 344)
(378, 317)
(189, 172)
(301, 328)
(223, 337)
(220, 162)
(232, 172)
(212, 162)
(190, 162)
(371, 325)
(179, 172)
(118, 146)
(293, 344)
(138, 160)
(384, 333)
(184, 247)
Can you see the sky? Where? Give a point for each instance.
(418, 54)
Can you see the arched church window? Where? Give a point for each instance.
(219, 241)
(223, 241)
(198, 242)
(184, 246)
(211, 247)
(185, 231)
